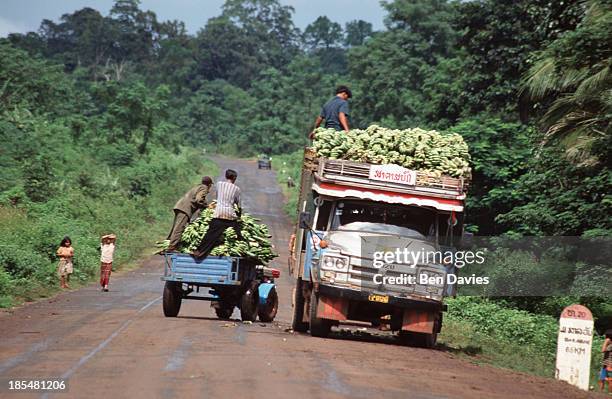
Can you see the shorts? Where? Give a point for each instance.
(64, 268)
(604, 374)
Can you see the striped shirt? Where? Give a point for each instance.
(228, 195)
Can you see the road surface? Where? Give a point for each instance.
(119, 345)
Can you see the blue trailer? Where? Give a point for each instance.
(227, 282)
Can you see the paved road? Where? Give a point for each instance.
(119, 345)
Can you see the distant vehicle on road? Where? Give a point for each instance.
(264, 162)
(230, 281)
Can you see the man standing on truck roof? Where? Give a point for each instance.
(335, 112)
(184, 209)
(225, 215)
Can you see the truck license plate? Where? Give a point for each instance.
(378, 298)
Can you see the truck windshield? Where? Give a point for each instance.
(408, 221)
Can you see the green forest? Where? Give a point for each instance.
(105, 118)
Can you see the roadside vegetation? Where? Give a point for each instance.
(490, 331)
(79, 163)
(104, 119)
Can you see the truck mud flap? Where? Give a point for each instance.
(420, 321)
(332, 308)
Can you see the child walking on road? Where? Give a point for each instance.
(107, 249)
(64, 268)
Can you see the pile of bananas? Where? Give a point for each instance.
(426, 150)
(255, 243)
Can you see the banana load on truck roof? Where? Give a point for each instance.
(425, 150)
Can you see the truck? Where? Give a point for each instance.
(350, 213)
(264, 162)
(227, 282)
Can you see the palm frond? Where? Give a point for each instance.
(596, 9)
(595, 83)
(541, 78)
(572, 78)
(580, 151)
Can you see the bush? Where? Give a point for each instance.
(531, 333)
(6, 283)
(38, 178)
(518, 326)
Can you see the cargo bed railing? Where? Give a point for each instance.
(357, 174)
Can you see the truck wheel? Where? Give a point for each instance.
(267, 311)
(172, 298)
(298, 308)
(224, 311)
(318, 327)
(249, 302)
(425, 340)
(420, 340)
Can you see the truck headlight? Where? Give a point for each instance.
(335, 262)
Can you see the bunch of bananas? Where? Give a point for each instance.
(255, 243)
(426, 150)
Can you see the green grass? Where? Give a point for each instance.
(462, 338)
(486, 332)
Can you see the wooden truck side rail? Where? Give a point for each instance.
(357, 174)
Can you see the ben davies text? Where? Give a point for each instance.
(427, 279)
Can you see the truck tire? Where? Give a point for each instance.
(422, 340)
(298, 308)
(224, 311)
(318, 327)
(267, 311)
(425, 340)
(249, 302)
(172, 298)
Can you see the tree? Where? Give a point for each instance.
(323, 38)
(224, 51)
(135, 31)
(573, 75)
(134, 113)
(500, 152)
(216, 114)
(269, 25)
(33, 84)
(323, 33)
(392, 66)
(357, 32)
(557, 198)
(498, 40)
(175, 55)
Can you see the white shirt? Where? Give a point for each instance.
(107, 253)
(228, 195)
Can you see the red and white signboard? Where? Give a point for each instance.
(393, 174)
(574, 346)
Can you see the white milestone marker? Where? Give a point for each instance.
(574, 346)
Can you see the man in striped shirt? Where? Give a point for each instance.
(225, 215)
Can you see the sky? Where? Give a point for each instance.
(25, 15)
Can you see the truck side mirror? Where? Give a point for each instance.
(467, 240)
(304, 220)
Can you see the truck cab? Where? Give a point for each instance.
(351, 215)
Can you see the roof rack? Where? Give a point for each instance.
(357, 174)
